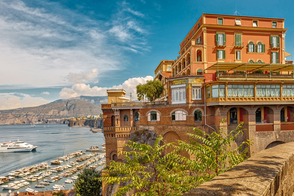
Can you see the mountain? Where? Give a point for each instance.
(53, 112)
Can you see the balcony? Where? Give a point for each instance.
(253, 76)
(118, 129)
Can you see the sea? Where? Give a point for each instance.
(53, 141)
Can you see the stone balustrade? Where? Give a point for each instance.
(269, 172)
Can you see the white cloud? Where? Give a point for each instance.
(16, 100)
(85, 89)
(127, 28)
(48, 45)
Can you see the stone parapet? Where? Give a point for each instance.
(269, 172)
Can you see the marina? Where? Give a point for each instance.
(62, 154)
(45, 176)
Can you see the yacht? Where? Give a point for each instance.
(16, 146)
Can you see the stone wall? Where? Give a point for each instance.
(268, 172)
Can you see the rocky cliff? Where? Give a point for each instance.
(54, 112)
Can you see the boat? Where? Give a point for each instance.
(96, 130)
(93, 149)
(17, 146)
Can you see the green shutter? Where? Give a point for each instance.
(277, 57)
(224, 39)
(254, 48)
(223, 54)
(216, 38)
(270, 42)
(278, 41)
(217, 54)
(263, 48)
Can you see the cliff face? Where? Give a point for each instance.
(53, 112)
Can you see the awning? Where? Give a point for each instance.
(251, 67)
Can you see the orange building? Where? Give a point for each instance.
(230, 69)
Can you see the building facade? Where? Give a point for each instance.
(230, 70)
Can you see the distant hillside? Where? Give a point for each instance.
(54, 111)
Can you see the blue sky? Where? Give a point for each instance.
(53, 49)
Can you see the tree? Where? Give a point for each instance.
(151, 90)
(160, 169)
(214, 152)
(88, 183)
(151, 170)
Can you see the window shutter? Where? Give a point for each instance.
(217, 51)
(278, 41)
(254, 48)
(270, 41)
(158, 116)
(263, 47)
(149, 116)
(223, 54)
(216, 38)
(277, 57)
(224, 39)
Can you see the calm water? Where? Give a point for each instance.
(52, 141)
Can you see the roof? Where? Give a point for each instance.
(251, 67)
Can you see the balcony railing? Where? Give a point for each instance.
(264, 127)
(285, 126)
(119, 129)
(223, 76)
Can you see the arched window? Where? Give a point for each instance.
(258, 115)
(251, 61)
(233, 116)
(251, 47)
(136, 116)
(188, 59)
(125, 118)
(153, 116)
(114, 157)
(178, 115)
(199, 55)
(260, 48)
(283, 119)
(199, 72)
(113, 121)
(198, 115)
(259, 61)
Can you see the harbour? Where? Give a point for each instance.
(60, 156)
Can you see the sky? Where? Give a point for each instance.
(59, 49)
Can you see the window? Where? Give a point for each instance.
(288, 90)
(125, 118)
(196, 93)
(251, 47)
(238, 55)
(233, 116)
(199, 72)
(220, 39)
(251, 61)
(260, 61)
(274, 24)
(238, 40)
(220, 21)
(153, 116)
(274, 41)
(199, 40)
(260, 48)
(198, 115)
(169, 68)
(268, 90)
(179, 115)
(238, 90)
(255, 23)
(217, 91)
(199, 56)
(178, 94)
(274, 57)
(238, 22)
(220, 54)
(136, 116)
